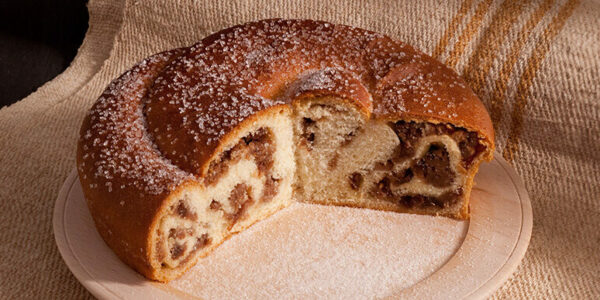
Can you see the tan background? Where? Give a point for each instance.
(535, 65)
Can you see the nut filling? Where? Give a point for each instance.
(179, 244)
(258, 144)
(432, 168)
(183, 241)
(409, 134)
(239, 201)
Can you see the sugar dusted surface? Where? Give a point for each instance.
(221, 81)
(117, 150)
(160, 123)
(309, 250)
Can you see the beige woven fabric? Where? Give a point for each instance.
(535, 65)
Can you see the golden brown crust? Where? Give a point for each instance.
(338, 83)
(160, 124)
(432, 92)
(124, 179)
(230, 75)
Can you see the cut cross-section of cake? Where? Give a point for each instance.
(195, 144)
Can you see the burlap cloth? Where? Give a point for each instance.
(535, 65)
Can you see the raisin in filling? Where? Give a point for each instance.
(356, 180)
(308, 134)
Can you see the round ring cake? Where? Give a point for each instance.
(195, 144)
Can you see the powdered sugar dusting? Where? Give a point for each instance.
(327, 82)
(312, 251)
(211, 87)
(231, 75)
(117, 149)
(222, 80)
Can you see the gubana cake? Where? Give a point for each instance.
(195, 144)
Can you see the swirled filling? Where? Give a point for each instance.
(346, 160)
(247, 181)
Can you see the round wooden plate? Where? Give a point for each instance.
(308, 251)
